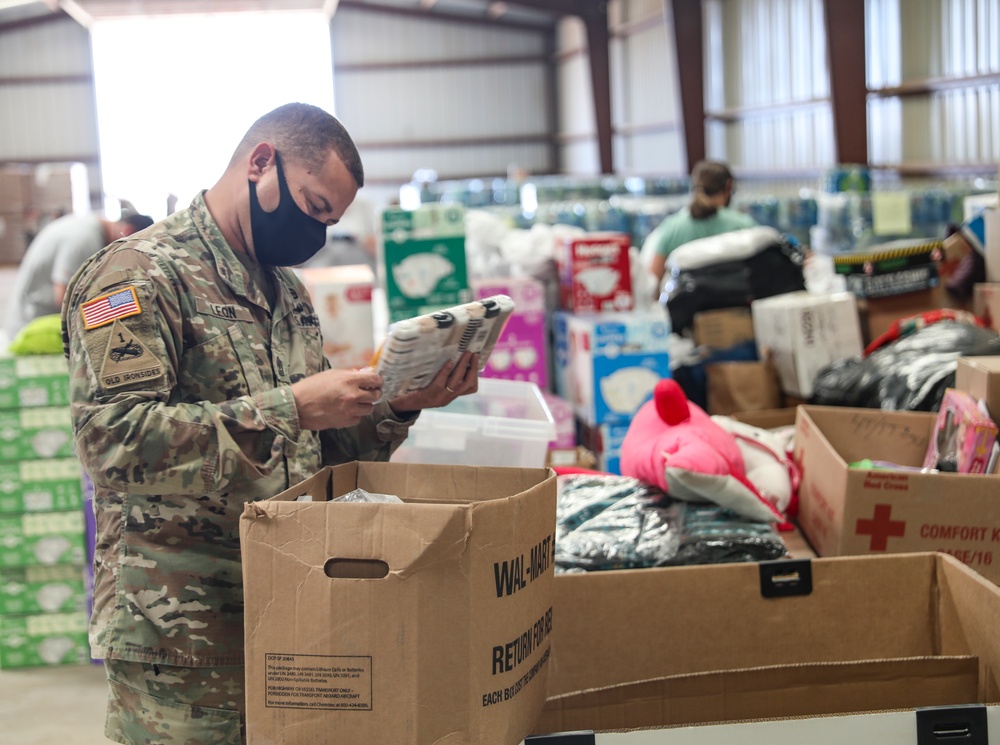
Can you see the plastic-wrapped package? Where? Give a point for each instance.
(909, 374)
(713, 535)
(617, 522)
(730, 270)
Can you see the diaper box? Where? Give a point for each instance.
(43, 639)
(34, 380)
(423, 263)
(42, 589)
(51, 485)
(342, 299)
(608, 363)
(44, 432)
(520, 352)
(594, 272)
(42, 539)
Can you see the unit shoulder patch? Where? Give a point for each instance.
(127, 360)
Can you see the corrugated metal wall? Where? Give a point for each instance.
(649, 131)
(646, 118)
(459, 98)
(47, 105)
(767, 85)
(576, 130)
(914, 48)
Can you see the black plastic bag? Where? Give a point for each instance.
(909, 374)
(774, 270)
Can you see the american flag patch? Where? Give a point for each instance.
(106, 308)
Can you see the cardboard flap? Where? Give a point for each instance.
(810, 689)
(858, 610)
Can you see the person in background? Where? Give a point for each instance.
(198, 383)
(707, 214)
(59, 249)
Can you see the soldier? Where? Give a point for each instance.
(199, 383)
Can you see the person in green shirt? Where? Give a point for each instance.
(708, 214)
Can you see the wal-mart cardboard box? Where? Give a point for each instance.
(408, 623)
(845, 510)
(821, 638)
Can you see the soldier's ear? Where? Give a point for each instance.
(261, 158)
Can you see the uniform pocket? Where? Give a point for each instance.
(220, 369)
(136, 717)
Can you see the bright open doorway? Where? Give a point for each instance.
(175, 94)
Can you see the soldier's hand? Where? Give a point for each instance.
(451, 382)
(336, 398)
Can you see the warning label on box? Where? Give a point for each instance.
(308, 681)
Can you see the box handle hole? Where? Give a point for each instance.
(355, 568)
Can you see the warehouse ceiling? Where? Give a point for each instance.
(533, 13)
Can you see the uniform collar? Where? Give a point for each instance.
(227, 263)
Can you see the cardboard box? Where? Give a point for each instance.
(45, 432)
(742, 386)
(608, 363)
(802, 332)
(872, 634)
(41, 485)
(439, 634)
(879, 314)
(42, 539)
(846, 510)
(722, 329)
(767, 419)
(892, 268)
(13, 241)
(50, 589)
(36, 380)
(595, 273)
(991, 234)
(44, 639)
(342, 297)
(423, 260)
(980, 376)
(986, 303)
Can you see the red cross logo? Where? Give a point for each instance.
(880, 527)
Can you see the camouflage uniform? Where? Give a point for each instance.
(180, 371)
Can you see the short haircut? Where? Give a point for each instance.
(138, 222)
(710, 177)
(305, 133)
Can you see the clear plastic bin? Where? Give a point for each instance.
(505, 423)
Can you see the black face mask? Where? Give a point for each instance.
(287, 236)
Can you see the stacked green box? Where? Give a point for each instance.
(424, 262)
(43, 639)
(40, 485)
(43, 549)
(42, 589)
(38, 380)
(29, 434)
